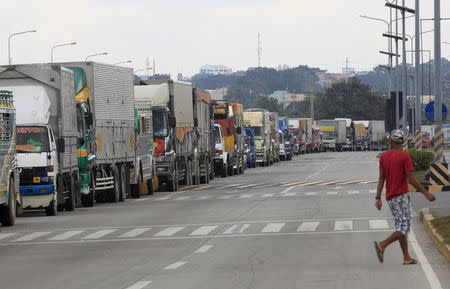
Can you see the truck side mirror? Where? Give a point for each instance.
(61, 145)
(172, 121)
(89, 118)
(238, 130)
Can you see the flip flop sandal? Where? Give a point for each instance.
(412, 262)
(379, 253)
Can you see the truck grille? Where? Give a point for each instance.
(27, 174)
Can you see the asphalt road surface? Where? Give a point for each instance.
(308, 223)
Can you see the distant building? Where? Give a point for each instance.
(348, 70)
(215, 69)
(291, 97)
(219, 93)
(180, 77)
(327, 79)
(279, 95)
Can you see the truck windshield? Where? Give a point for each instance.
(328, 135)
(257, 131)
(160, 123)
(217, 138)
(32, 139)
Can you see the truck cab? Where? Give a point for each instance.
(37, 161)
(220, 154)
(250, 148)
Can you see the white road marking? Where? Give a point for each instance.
(343, 225)
(328, 183)
(169, 231)
(230, 186)
(308, 227)
(267, 195)
(292, 184)
(237, 229)
(248, 186)
(423, 261)
(311, 194)
(175, 265)
(162, 199)
(181, 198)
(273, 228)
(286, 190)
(6, 235)
(204, 249)
(353, 192)
(378, 224)
(246, 196)
(289, 194)
(99, 234)
(309, 184)
(66, 235)
(31, 236)
(134, 233)
(372, 191)
(332, 193)
(139, 285)
(203, 230)
(203, 198)
(226, 197)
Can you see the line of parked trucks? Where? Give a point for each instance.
(76, 133)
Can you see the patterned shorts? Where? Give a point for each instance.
(401, 210)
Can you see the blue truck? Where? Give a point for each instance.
(286, 140)
(250, 148)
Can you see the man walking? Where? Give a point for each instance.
(396, 169)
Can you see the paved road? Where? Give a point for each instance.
(309, 223)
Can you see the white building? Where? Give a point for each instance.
(215, 69)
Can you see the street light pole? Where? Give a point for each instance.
(97, 54)
(59, 45)
(9, 42)
(418, 98)
(122, 62)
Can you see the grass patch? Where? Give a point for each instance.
(442, 226)
(419, 175)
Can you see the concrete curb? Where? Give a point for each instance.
(438, 241)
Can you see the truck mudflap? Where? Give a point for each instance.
(37, 190)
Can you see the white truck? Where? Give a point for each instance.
(333, 133)
(349, 134)
(9, 178)
(378, 134)
(259, 121)
(47, 135)
(106, 124)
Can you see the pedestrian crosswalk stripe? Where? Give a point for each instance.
(204, 249)
(66, 235)
(311, 194)
(289, 194)
(140, 285)
(175, 265)
(332, 193)
(134, 232)
(267, 195)
(378, 224)
(6, 235)
(237, 229)
(31, 236)
(273, 228)
(203, 230)
(308, 227)
(169, 231)
(343, 225)
(99, 234)
(353, 192)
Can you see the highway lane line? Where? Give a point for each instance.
(353, 192)
(290, 194)
(226, 197)
(139, 285)
(248, 186)
(237, 229)
(343, 225)
(378, 224)
(292, 184)
(31, 236)
(423, 261)
(267, 195)
(231, 186)
(203, 249)
(6, 235)
(203, 198)
(311, 194)
(283, 192)
(169, 231)
(175, 265)
(273, 228)
(66, 235)
(332, 193)
(308, 227)
(134, 233)
(99, 234)
(161, 199)
(203, 230)
(182, 198)
(246, 196)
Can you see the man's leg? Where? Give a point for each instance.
(396, 236)
(404, 245)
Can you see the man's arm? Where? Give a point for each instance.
(412, 180)
(380, 186)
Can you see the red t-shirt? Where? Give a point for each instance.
(395, 165)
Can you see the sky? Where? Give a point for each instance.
(183, 35)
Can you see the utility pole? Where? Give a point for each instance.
(438, 135)
(147, 65)
(405, 70)
(259, 49)
(418, 96)
(154, 68)
(346, 65)
(397, 93)
(311, 100)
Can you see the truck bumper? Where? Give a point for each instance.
(37, 190)
(260, 158)
(164, 169)
(37, 196)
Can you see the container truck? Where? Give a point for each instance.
(361, 137)
(229, 157)
(173, 130)
(250, 148)
(286, 140)
(46, 135)
(258, 120)
(306, 128)
(106, 125)
(274, 137)
(317, 142)
(294, 129)
(349, 134)
(9, 178)
(333, 133)
(378, 133)
(203, 116)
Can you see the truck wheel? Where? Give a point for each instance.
(115, 192)
(230, 170)
(224, 170)
(69, 203)
(123, 184)
(211, 170)
(188, 174)
(52, 209)
(172, 185)
(150, 187)
(8, 213)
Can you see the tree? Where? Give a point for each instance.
(299, 109)
(350, 98)
(269, 103)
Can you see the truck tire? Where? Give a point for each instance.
(230, 170)
(211, 170)
(123, 183)
(52, 209)
(172, 184)
(205, 179)
(150, 187)
(224, 171)
(8, 213)
(188, 173)
(114, 193)
(88, 200)
(69, 203)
